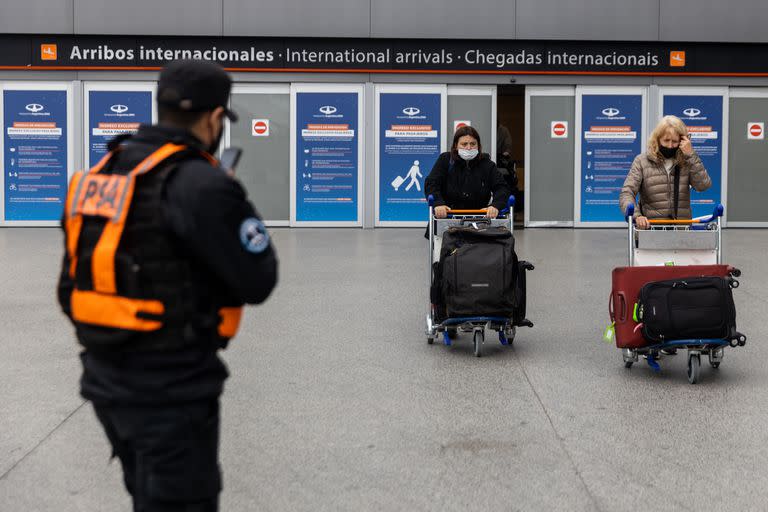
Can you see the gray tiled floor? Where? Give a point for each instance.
(336, 402)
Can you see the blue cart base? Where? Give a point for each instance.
(713, 348)
(477, 326)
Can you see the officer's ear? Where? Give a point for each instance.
(217, 116)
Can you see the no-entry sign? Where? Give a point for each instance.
(559, 129)
(260, 127)
(755, 130)
(459, 124)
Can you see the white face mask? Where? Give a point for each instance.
(467, 154)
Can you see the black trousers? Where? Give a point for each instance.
(169, 454)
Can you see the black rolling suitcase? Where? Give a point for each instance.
(479, 275)
(688, 308)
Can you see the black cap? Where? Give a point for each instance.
(194, 86)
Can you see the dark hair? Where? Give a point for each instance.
(178, 118)
(461, 132)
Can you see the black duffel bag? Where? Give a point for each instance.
(477, 272)
(689, 308)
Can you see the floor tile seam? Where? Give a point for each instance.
(43, 440)
(559, 438)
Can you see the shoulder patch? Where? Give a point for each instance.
(254, 235)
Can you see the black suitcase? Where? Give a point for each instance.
(518, 317)
(688, 308)
(477, 274)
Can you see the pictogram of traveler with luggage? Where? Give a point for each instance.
(413, 174)
(475, 279)
(675, 292)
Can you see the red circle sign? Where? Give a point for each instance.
(559, 129)
(259, 127)
(755, 130)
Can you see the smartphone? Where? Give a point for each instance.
(229, 158)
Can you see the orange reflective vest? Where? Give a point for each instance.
(131, 283)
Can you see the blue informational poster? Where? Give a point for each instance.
(409, 144)
(327, 167)
(35, 154)
(610, 141)
(703, 115)
(112, 113)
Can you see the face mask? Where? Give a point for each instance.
(467, 154)
(667, 152)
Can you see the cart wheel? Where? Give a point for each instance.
(716, 357)
(694, 365)
(507, 335)
(430, 340)
(479, 336)
(511, 333)
(629, 357)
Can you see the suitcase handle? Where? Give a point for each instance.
(622, 307)
(610, 307)
(483, 220)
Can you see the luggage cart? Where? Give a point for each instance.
(676, 242)
(680, 242)
(477, 325)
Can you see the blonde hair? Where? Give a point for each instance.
(667, 123)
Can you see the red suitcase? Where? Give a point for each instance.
(626, 285)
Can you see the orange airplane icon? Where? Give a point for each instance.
(677, 59)
(48, 52)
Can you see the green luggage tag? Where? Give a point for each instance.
(609, 334)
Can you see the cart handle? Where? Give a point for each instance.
(717, 212)
(685, 222)
(468, 212)
(481, 211)
(510, 205)
(630, 212)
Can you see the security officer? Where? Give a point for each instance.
(162, 249)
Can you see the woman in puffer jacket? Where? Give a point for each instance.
(653, 175)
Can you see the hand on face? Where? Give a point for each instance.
(685, 146)
(671, 142)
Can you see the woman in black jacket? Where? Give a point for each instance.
(465, 178)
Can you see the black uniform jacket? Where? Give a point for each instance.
(204, 210)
